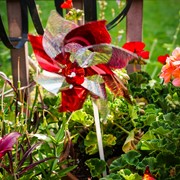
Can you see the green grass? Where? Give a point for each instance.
(160, 20)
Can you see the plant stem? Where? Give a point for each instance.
(127, 132)
(2, 109)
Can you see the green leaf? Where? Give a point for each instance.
(96, 166)
(167, 159)
(130, 158)
(150, 119)
(127, 145)
(60, 134)
(91, 142)
(83, 118)
(109, 140)
(64, 172)
(41, 137)
(113, 176)
(149, 161)
(128, 175)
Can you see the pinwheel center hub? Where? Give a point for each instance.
(74, 74)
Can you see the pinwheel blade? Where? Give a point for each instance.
(120, 57)
(113, 56)
(93, 55)
(50, 81)
(56, 29)
(95, 88)
(116, 86)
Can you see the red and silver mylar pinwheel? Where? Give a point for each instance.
(78, 60)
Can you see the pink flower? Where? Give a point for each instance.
(166, 71)
(7, 142)
(176, 75)
(171, 70)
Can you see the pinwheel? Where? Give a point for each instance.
(78, 61)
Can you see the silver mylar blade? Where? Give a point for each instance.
(72, 48)
(109, 54)
(50, 81)
(95, 88)
(93, 55)
(56, 29)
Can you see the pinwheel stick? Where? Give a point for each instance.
(98, 133)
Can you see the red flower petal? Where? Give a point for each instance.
(144, 54)
(129, 46)
(147, 175)
(138, 48)
(73, 99)
(7, 142)
(162, 58)
(89, 34)
(43, 59)
(67, 4)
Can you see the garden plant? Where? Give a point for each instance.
(77, 68)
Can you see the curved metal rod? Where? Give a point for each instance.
(25, 4)
(120, 17)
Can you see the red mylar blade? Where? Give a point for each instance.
(43, 59)
(91, 33)
(116, 86)
(73, 99)
(115, 57)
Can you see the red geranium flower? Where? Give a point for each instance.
(67, 4)
(162, 59)
(147, 175)
(138, 48)
(7, 142)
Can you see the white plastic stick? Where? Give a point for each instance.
(98, 133)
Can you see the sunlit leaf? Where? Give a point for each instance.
(91, 142)
(127, 146)
(128, 175)
(83, 118)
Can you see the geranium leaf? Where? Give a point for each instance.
(96, 166)
(91, 142)
(127, 146)
(83, 118)
(128, 175)
(130, 158)
(112, 176)
(149, 161)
